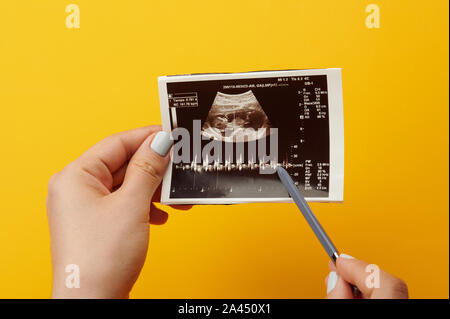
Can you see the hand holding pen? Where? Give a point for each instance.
(371, 281)
(349, 278)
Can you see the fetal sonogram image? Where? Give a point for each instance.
(236, 117)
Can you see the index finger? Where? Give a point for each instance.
(354, 271)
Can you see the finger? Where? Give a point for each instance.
(357, 272)
(119, 175)
(181, 207)
(337, 288)
(118, 148)
(157, 195)
(354, 271)
(158, 216)
(369, 277)
(110, 154)
(146, 168)
(331, 266)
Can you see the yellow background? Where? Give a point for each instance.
(62, 90)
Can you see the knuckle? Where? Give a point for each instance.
(52, 193)
(399, 286)
(53, 182)
(57, 180)
(146, 167)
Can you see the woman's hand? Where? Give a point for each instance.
(372, 282)
(99, 208)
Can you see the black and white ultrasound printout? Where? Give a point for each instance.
(298, 113)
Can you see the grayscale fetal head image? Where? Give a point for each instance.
(236, 117)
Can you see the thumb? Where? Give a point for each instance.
(337, 288)
(147, 167)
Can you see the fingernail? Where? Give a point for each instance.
(332, 281)
(346, 256)
(161, 143)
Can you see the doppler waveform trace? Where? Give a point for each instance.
(249, 167)
(240, 165)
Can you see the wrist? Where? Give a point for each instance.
(60, 291)
(68, 286)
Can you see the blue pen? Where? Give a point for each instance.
(310, 217)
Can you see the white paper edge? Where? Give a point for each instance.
(336, 120)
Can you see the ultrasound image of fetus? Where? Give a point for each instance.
(240, 113)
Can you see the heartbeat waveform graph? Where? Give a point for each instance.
(216, 176)
(240, 165)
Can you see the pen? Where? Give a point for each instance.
(310, 217)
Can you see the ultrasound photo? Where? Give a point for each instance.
(231, 131)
